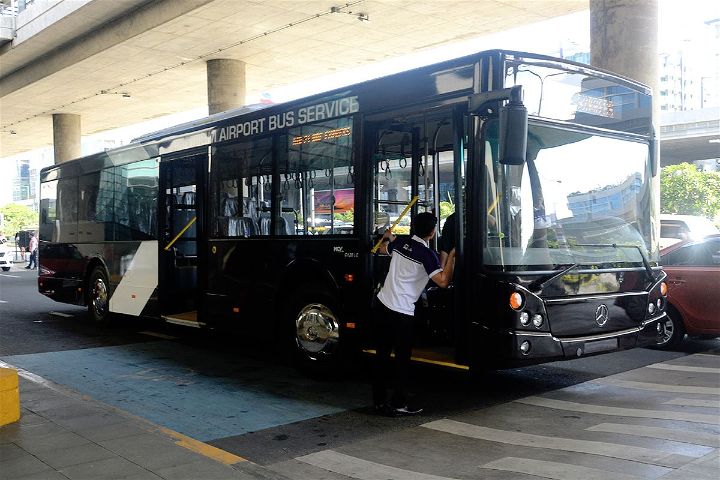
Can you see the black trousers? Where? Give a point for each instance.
(391, 331)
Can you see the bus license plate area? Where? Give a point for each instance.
(600, 346)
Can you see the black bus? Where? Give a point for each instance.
(263, 218)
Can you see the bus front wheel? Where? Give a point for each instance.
(98, 295)
(316, 326)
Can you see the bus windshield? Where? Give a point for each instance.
(576, 195)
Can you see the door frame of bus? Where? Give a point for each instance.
(165, 297)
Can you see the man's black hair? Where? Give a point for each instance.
(423, 224)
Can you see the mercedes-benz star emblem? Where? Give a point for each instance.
(602, 315)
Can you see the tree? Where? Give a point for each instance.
(16, 217)
(686, 190)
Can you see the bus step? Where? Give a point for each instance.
(432, 357)
(187, 319)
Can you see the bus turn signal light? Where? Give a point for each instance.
(663, 288)
(516, 301)
(349, 277)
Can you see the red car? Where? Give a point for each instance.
(693, 279)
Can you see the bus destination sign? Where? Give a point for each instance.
(598, 106)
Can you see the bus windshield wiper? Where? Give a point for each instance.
(645, 261)
(539, 284)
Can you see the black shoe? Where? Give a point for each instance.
(27, 268)
(403, 411)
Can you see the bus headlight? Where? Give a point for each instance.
(537, 320)
(659, 304)
(525, 347)
(524, 319)
(651, 308)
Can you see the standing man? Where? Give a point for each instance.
(413, 263)
(33, 252)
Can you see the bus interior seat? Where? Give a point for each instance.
(265, 225)
(229, 207)
(287, 224)
(188, 198)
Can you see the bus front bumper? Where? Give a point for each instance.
(532, 347)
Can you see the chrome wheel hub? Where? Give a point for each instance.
(316, 328)
(99, 296)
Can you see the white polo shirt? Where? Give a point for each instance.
(413, 263)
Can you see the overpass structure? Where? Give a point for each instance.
(77, 67)
(115, 63)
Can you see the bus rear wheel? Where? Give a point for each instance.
(98, 300)
(316, 327)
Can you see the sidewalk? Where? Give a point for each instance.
(63, 435)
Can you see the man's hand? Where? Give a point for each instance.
(386, 239)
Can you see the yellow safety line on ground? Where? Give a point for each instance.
(172, 242)
(427, 360)
(202, 448)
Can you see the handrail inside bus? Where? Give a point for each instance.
(172, 242)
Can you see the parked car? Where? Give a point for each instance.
(675, 228)
(693, 279)
(6, 257)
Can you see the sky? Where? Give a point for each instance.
(679, 21)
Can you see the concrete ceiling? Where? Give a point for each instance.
(156, 51)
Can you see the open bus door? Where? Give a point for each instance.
(418, 154)
(181, 228)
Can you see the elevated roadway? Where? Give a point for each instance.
(118, 63)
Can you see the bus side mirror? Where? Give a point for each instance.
(513, 133)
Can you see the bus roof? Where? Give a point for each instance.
(148, 146)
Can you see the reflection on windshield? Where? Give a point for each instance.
(576, 193)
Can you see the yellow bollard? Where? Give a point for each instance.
(9, 396)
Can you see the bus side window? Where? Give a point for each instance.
(241, 189)
(318, 181)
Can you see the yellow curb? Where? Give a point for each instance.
(202, 448)
(9, 396)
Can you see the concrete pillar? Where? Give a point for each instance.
(624, 38)
(66, 136)
(225, 84)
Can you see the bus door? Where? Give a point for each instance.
(181, 226)
(415, 154)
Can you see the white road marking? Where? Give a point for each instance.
(3, 301)
(657, 387)
(354, 467)
(684, 368)
(159, 335)
(554, 470)
(625, 452)
(673, 434)
(693, 402)
(9, 276)
(619, 411)
(60, 314)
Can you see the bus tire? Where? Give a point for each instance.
(6, 269)
(98, 295)
(315, 322)
(673, 330)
